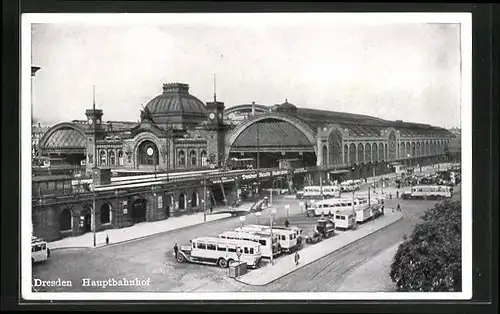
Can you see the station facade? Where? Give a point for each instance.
(178, 132)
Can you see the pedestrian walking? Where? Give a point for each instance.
(296, 258)
(107, 239)
(398, 208)
(211, 207)
(390, 196)
(287, 223)
(176, 249)
(397, 194)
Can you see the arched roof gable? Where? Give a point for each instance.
(64, 134)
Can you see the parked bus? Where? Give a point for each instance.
(332, 205)
(428, 192)
(287, 239)
(221, 252)
(39, 250)
(319, 192)
(344, 219)
(350, 185)
(264, 239)
(298, 231)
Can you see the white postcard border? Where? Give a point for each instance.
(465, 19)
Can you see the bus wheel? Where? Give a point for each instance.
(230, 261)
(222, 263)
(180, 258)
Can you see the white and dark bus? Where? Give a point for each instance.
(431, 192)
(221, 252)
(267, 245)
(330, 206)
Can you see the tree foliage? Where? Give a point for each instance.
(429, 260)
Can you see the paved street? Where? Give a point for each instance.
(152, 258)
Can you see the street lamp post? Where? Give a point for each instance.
(272, 212)
(94, 172)
(353, 210)
(204, 200)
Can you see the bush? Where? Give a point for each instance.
(429, 260)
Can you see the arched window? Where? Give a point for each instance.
(374, 152)
(66, 222)
(111, 158)
(381, 155)
(346, 154)
(325, 155)
(352, 153)
(368, 152)
(192, 157)
(361, 152)
(105, 213)
(147, 153)
(181, 158)
(182, 201)
(204, 161)
(102, 155)
(194, 199)
(120, 157)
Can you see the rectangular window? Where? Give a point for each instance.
(51, 185)
(231, 249)
(262, 242)
(221, 247)
(337, 217)
(283, 238)
(60, 185)
(251, 250)
(202, 246)
(194, 245)
(245, 250)
(211, 246)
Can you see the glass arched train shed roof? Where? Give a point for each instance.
(357, 125)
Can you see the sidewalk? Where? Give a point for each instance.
(286, 265)
(134, 232)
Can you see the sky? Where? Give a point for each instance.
(406, 71)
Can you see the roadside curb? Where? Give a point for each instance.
(134, 239)
(71, 248)
(327, 254)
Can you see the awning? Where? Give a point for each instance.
(338, 171)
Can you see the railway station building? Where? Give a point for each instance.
(178, 132)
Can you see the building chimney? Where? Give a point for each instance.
(253, 108)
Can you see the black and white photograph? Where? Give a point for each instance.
(246, 156)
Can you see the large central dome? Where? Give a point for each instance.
(176, 100)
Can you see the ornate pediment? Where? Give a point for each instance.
(147, 126)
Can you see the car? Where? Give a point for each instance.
(314, 237)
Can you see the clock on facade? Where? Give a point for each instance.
(90, 121)
(211, 115)
(150, 151)
(98, 121)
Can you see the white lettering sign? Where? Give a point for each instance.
(265, 174)
(160, 201)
